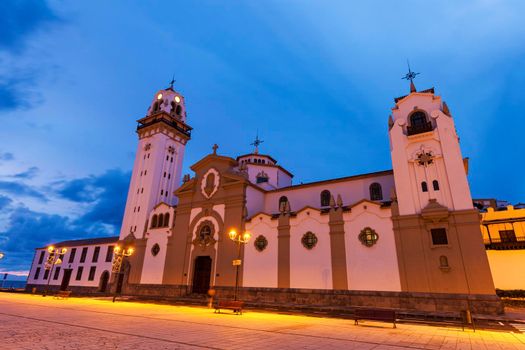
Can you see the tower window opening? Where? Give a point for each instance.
(164, 174)
(145, 172)
(138, 190)
(154, 221)
(171, 160)
(161, 220)
(418, 123)
(167, 158)
(435, 185)
(169, 176)
(376, 192)
(161, 192)
(424, 186)
(142, 190)
(282, 202)
(178, 111)
(439, 236)
(138, 209)
(325, 198)
(173, 106)
(134, 209)
(166, 220)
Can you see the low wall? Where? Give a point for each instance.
(335, 299)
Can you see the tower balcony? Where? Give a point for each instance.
(163, 118)
(505, 244)
(419, 129)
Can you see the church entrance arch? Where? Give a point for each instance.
(201, 275)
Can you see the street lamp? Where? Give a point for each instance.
(118, 255)
(239, 239)
(52, 260)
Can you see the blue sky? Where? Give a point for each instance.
(316, 78)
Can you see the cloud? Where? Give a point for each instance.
(28, 174)
(4, 201)
(20, 189)
(20, 19)
(6, 155)
(104, 196)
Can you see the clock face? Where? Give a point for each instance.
(177, 99)
(159, 96)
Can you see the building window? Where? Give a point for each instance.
(309, 240)
(155, 249)
(418, 119)
(424, 186)
(160, 223)
(507, 236)
(260, 243)
(83, 254)
(368, 236)
(57, 273)
(439, 236)
(37, 273)
(261, 179)
(92, 271)
(46, 274)
(79, 273)
(376, 192)
(435, 185)
(96, 252)
(282, 203)
(178, 110)
(109, 253)
(41, 258)
(166, 220)
(154, 221)
(72, 255)
(325, 198)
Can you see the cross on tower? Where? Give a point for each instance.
(410, 76)
(215, 149)
(172, 81)
(256, 143)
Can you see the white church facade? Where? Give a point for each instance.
(405, 238)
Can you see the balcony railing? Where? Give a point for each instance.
(183, 128)
(502, 244)
(419, 129)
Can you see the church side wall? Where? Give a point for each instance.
(260, 267)
(375, 267)
(310, 268)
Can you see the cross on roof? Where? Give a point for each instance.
(410, 76)
(215, 146)
(256, 143)
(172, 81)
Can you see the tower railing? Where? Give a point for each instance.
(419, 129)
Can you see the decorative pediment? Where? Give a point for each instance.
(434, 211)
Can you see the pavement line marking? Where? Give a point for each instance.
(108, 331)
(228, 327)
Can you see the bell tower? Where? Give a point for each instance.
(438, 238)
(163, 134)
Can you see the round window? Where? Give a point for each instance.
(155, 249)
(309, 240)
(260, 243)
(368, 236)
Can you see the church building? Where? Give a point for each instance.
(406, 238)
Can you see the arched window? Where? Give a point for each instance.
(161, 220)
(178, 111)
(435, 185)
(424, 186)
(376, 192)
(154, 221)
(205, 232)
(418, 119)
(443, 261)
(325, 198)
(155, 107)
(166, 219)
(282, 201)
(173, 106)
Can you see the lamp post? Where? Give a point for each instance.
(52, 260)
(118, 256)
(239, 239)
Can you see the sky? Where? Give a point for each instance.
(315, 79)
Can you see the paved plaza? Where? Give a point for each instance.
(35, 322)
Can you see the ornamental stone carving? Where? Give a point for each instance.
(210, 183)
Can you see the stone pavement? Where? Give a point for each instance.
(35, 322)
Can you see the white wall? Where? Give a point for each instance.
(375, 267)
(310, 268)
(260, 268)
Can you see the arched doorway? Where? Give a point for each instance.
(104, 279)
(201, 275)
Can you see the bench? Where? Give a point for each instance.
(62, 294)
(375, 315)
(234, 305)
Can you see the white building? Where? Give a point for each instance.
(402, 238)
